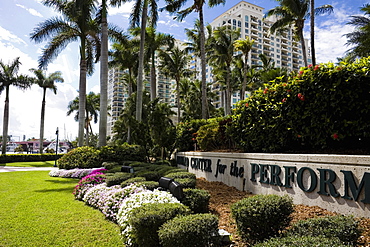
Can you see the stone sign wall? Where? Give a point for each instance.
(339, 183)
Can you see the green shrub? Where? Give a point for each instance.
(81, 157)
(119, 153)
(325, 106)
(262, 216)
(301, 241)
(196, 230)
(132, 180)
(207, 137)
(187, 182)
(146, 220)
(149, 175)
(186, 134)
(345, 228)
(110, 165)
(197, 200)
(182, 174)
(150, 185)
(117, 178)
(10, 158)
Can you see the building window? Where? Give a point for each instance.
(239, 24)
(246, 18)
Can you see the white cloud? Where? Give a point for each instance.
(329, 35)
(7, 36)
(30, 10)
(124, 9)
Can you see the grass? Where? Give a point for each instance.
(38, 210)
(32, 164)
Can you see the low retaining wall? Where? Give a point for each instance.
(339, 183)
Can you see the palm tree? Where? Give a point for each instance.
(154, 42)
(174, 64)
(125, 56)
(103, 75)
(92, 109)
(244, 46)
(295, 12)
(360, 37)
(221, 55)
(45, 82)
(9, 77)
(77, 24)
(174, 6)
(140, 11)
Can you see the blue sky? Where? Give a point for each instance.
(19, 17)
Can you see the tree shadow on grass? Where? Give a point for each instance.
(62, 181)
(65, 190)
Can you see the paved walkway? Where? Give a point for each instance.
(22, 169)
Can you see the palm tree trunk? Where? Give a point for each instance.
(139, 96)
(103, 81)
(5, 121)
(82, 102)
(203, 64)
(41, 141)
(244, 84)
(303, 44)
(178, 99)
(87, 124)
(153, 80)
(313, 32)
(228, 92)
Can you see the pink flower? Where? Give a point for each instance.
(309, 66)
(266, 90)
(335, 136)
(283, 100)
(301, 72)
(316, 67)
(246, 104)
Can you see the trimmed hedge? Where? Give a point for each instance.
(10, 158)
(262, 216)
(132, 180)
(195, 230)
(147, 219)
(302, 241)
(117, 178)
(345, 228)
(197, 200)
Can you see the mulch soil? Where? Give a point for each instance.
(223, 196)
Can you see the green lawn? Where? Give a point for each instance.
(38, 210)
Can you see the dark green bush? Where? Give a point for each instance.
(262, 216)
(207, 137)
(345, 228)
(325, 106)
(117, 178)
(150, 185)
(81, 157)
(197, 200)
(132, 180)
(10, 158)
(146, 220)
(187, 182)
(182, 174)
(149, 175)
(186, 134)
(119, 153)
(110, 165)
(302, 241)
(196, 230)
